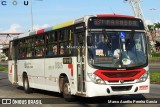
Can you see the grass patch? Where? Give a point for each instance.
(154, 58)
(155, 76)
(4, 68)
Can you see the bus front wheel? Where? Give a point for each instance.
(67, 91)
(26, 85)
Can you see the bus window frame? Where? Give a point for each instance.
(69, 31)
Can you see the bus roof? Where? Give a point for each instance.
(52, 28)
(114, 15)
(69, 23)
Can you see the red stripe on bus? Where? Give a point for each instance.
(70, 66)
(40, 31)
(114, 15)
(11, 70)
(116, 75)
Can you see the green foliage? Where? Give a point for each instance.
(157, 25)
(154, 58)
(150, 27)
(155, 54)
(155, 76)
(3, 68)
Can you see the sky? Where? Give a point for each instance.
(51, 12)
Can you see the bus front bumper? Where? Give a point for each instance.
(93, 90)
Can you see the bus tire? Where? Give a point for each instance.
(26, 85)
(67, 91)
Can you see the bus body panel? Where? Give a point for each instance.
(45, 73)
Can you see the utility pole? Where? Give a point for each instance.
(31, 16)
(31, 12)
(135, 5)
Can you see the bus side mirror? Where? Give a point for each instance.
(89, 40)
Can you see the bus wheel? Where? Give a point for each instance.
(26, 85)
(67, 91)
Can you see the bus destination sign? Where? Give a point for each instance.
(116, 23)
(111, 22)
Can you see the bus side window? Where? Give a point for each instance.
(67, 34)
(61, 35)
(46, 38)
(66, 42)
(51, 50)
(39, 40)
(21, 43)
(39, 51)
(62, 50)
(29, 47)
(23, 53)
(52, 46)
(30, 52)
(39, 46)
(22, 48)
(52, 37)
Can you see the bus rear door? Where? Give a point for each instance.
(13, 63)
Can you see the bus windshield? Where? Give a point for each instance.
(117, 49)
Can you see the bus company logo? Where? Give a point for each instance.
(6, 101)
(28, 65)
(121, 81)
(14, 2)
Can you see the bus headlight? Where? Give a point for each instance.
(144, 77)
(96, 79)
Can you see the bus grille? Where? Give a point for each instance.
(120, 74)
(116, 81)
(121, 88)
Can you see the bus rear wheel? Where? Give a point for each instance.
(26, 85)
(67, 91)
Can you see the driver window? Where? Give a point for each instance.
(103, 45)
(138, 45)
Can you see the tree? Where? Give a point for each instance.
(157, 25)
(150, 27)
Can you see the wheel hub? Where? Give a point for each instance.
(67, 89)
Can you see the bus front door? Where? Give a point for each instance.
(80, 38)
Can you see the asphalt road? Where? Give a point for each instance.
(7, 90)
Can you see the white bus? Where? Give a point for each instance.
(99, 55)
